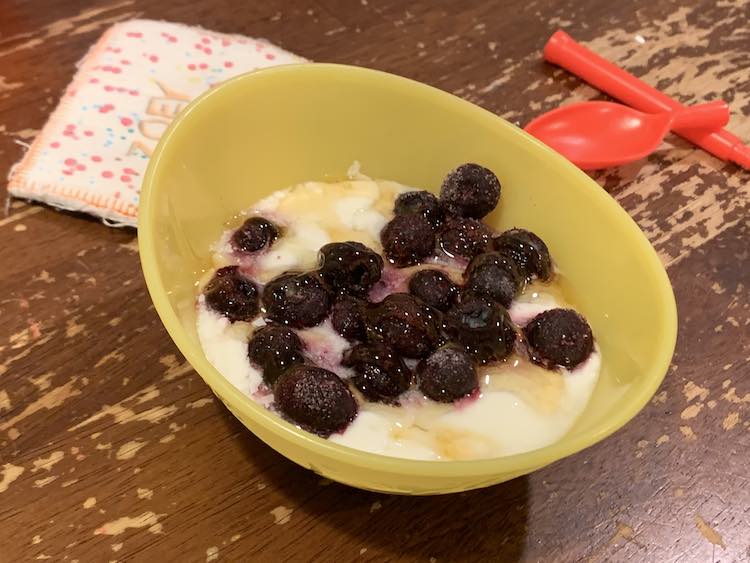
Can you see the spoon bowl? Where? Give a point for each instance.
(596, 135)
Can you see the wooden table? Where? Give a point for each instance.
(112, 448)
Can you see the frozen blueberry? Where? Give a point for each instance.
(559, 337)
(464, 237)
(274, 349)
(482, 327)
(315, 399)
(433, 287)
(379, 372)
(232, 294)
(422, 203)
(407, 239)
(299, 300)
(447, 374)
(350, 267)
(255, 234)
(494, 275)
(529, 252)
(348, 318)
(470, 190)
(406, 324)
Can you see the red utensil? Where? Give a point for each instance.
(595, 135)
(562, 50)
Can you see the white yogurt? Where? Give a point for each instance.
(225, 346)
(311, 215)
(507, 418)
(520, 407)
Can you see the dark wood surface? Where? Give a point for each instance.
(112, 448)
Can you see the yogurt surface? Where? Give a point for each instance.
(520, 406)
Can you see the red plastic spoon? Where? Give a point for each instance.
(596, 135)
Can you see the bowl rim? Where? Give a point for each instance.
(236, 401)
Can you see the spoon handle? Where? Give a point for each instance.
(712, 115)
(562, 50)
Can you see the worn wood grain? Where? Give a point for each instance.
(112, 448)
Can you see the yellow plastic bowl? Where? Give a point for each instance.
(273, 128)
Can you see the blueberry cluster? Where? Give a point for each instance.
(443, 329)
